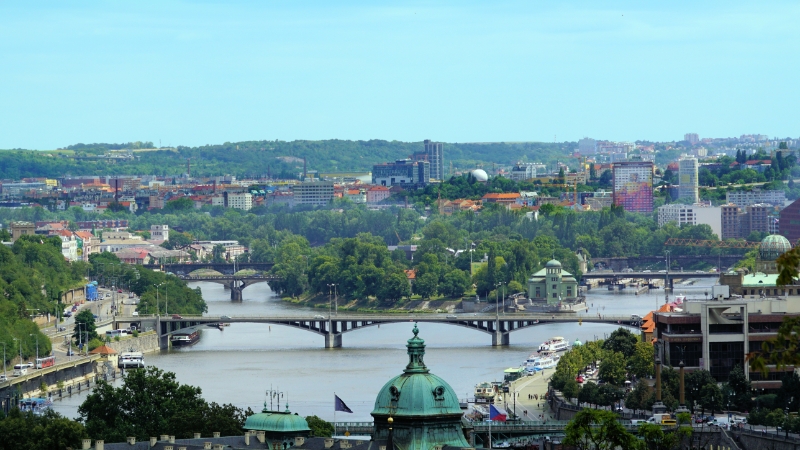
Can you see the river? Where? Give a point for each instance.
(239, 364)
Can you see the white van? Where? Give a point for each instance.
(20, 369)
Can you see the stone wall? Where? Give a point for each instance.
(145, 343)
(752, 440)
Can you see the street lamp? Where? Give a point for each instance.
(157, 286)
(496, 300)
(331, 288)
(37, 345)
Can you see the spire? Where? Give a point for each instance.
(416, 352)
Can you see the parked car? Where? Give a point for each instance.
(580, 379)
(224, 317)
(62, 328)
(319, 316)
(67, 313)
(177, 316)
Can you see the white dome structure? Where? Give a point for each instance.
(480, 175)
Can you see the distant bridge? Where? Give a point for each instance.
(332, 327)
(647, 275)
(236, 283)
(623, 262)
(226, 268)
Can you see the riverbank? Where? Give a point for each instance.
(323, 302)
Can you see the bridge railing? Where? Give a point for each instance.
(427, 317)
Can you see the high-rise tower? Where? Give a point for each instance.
(435, 153)
(687, 179)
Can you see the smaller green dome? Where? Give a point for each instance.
(773, 246)
(553, 263)
(577, 343)
(277, 422)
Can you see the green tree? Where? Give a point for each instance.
(395, 287)
(49, 431)
(85, 329)
(588, 394)
(571, 389)
(640, 397)
(740, 389)
(612, 368)
(598, 430)
(319, 427)
(711, 398)
(641, 361)
(655, 437)
(152, 402)
(454, 284)
(426, 285)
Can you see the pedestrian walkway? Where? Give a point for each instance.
(529, 393)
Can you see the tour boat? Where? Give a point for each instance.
(485, 391)
(131, 360)
(529, 363)
(556, 344)
(185, 339)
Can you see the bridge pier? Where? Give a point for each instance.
(333, 340)
(236, 290)
(500, 338)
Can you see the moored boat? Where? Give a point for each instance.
(485, 391)
(185, 339)
(555, 344)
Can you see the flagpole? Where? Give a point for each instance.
(490, 429)
(334, 413)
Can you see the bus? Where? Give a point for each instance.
(20, 369)
(47, 361)
(116, 333)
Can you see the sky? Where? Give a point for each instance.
(207, 72)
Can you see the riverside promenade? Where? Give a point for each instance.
(529, 392)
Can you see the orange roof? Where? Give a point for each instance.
(378, 188)
(103, 350)
(499, 196)
(411, 274)
(84, 234)
(648, 324)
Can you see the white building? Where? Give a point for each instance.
(69, 246)
(243, 201)
(696, 214)
(317, 193)
(687, 179)
(523, 171)
(747, 198)
(587, 146)
(159, 232)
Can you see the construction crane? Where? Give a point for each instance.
(711, 243)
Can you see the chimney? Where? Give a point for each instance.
(247, 438)
(382, 447)
(87, 443)
(153, 441)
(344, 444)
(182, 448)
(299, 441)
(172, 439)
(219, 447)
(163, 437)
(328, 442)
(98, 445)
(261, 435)
(206, 445)
(131, 440)
(216, 434)
(168, 447)
(197, 435)
(359, 442)
(277, 445)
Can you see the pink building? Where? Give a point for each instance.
(376, 194)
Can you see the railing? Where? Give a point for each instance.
(429, 317)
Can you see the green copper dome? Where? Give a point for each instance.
(416, 392)
(773, 246)
(277, 422)
(553, 263)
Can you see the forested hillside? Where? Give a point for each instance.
(257, 158)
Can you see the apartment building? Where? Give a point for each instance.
(696, 214)
(745, 198)
(315, 193)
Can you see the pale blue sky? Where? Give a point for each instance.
(192, 73)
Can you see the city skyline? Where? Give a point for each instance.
(208, 73)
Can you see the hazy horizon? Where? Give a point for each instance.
(212, 72)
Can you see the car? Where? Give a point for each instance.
(646, 271)
(30, 365)
(619, 409)
(67, 313)
(662, 271)
(451, 316)
(70, 352)
(699, 271)
(3, 378)
(96, 317)
(119, 291)
(580, 379)
(177, 316)
(224, 317)
(62, 328)
(135, 313)
(319, 316)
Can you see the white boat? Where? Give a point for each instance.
(131, 360)
(555, 344)
(528, 365)
(545, 362)
(485, 391)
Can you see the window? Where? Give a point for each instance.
(569, 292)
(555, 295)
(538, 293)
(555, 287)
(724, 356)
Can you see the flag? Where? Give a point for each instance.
(340, 406)
(497, 413)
